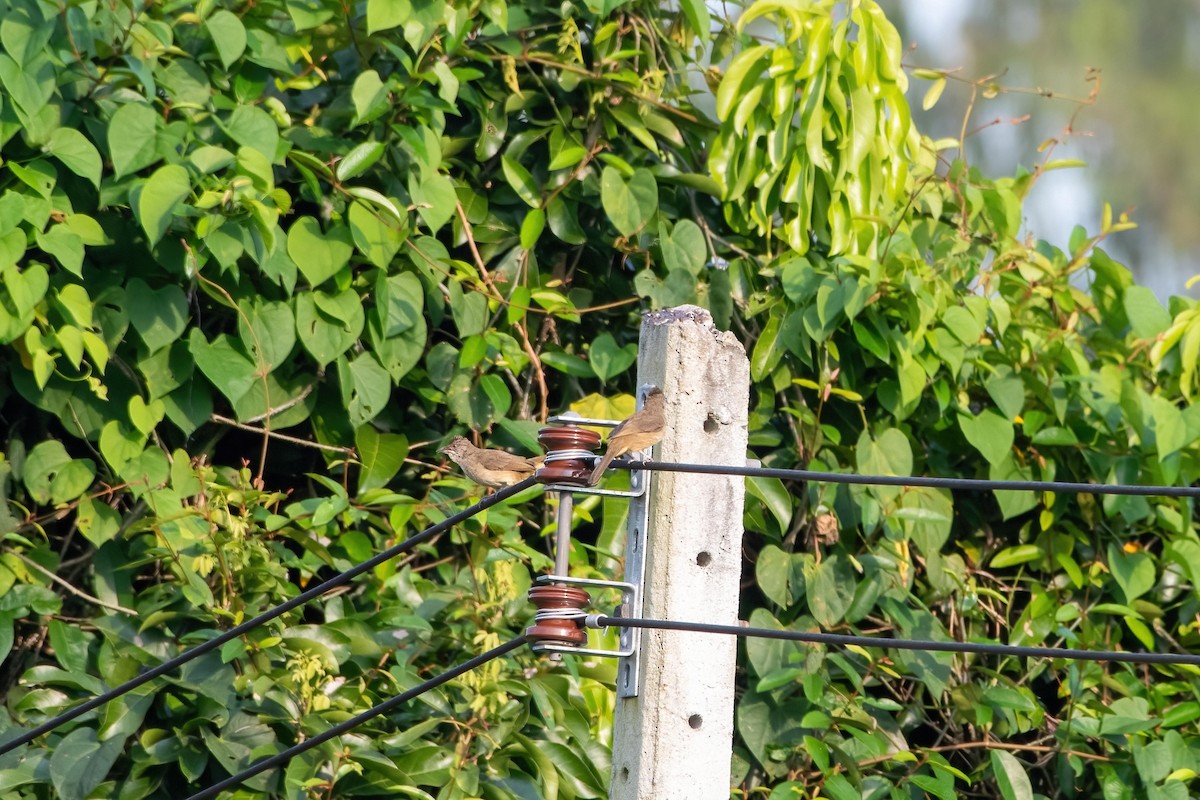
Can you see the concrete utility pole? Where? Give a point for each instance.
(673, 740)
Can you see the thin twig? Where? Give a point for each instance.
(77, 592)
(283, 437)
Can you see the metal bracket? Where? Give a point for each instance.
(633, 587)
(629, 669)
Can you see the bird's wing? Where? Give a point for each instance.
(498, 459)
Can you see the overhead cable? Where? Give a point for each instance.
(212, 644)
(967, 484)
(343, 727)
(923, 645)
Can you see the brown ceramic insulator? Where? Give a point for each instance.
(558, 631)
(574, 469)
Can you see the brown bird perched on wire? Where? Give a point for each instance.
(644, 428)
(491, 468)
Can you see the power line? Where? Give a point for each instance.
(968, 484)
(845, 640)
(300, 599)
(354, 722)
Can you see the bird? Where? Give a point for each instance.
(644, 428)
(491, 468)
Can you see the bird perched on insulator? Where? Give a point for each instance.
(491, 468)
(643, 429)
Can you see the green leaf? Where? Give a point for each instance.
(532, 227)
(926, 515)
(381, 455)
(1012, 503)
(80, 762)
(564, 222)
(158, 315)
(1015, 555)
(629, 204)
(989, 433)
(767, 353)
(887, 454)
(132, 138)
(228, 36)
(369, 93)
(251, 126)
(780, 575)
(401, 300)
(78, 154)
(1133, 572)
(52, 476)
(698, 17)
(1010, 776)
(1007, 391)
(23, 32)
(684, 247)
(226, 365)
(521, 181)
(155, 205)
(377, 236)
(830, 589)
(963, 324)
(327, 325)
(436, 200)
(773, 494)
(608, 359)
(1170, 429)
(384, 15)
(319, 255)
(65, 245)
(70, 646)
(469, 309)
(369, 389)
(119, 445)
(145, 416)
(98, 521)
(267, 330)
(1146, 315)
(359, 160)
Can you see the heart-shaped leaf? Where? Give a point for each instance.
(1133, 572)
(158, 315)
(268, 331)
(319, 256)
(145, 417)
(629, 204)
(328, 324)
(224, 363)
(684, 247)
(132, 138)
(158, 197)
(989, 432)
(609, 359)
(74, 150)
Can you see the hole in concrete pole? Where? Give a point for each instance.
(711, 425)
(624, 773)
(695, 721)
(703, 558)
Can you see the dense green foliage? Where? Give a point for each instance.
(258, 260)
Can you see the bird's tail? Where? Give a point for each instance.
(603, 465)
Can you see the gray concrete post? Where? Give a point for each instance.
(673, 740)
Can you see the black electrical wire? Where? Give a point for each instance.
(354, 722)
(845, 640)
(300, 599)
(969, 484)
